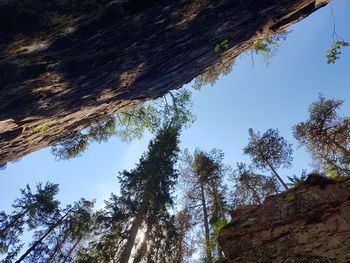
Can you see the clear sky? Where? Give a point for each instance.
(262, 97)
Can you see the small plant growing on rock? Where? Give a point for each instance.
(222, 46)
(290, 197)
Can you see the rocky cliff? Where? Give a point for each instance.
(64, 64)
(310, 223)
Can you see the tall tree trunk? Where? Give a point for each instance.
(143, 247)
(68, 255)
(206, 226)
(58, 247)
(221, 213)
(124, 258)
(62, 66)
(135, 226)
(256, 197)
(277, 175)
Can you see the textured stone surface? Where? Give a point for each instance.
(306, 224)
(65, 63)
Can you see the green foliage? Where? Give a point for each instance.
(209, 77)
(146, 197)
(222, 46)
(251, 188)
(183, 242)
(56, 232)
(290, 197)
(102, 130)
(71, 147)
(296, 181)
(218, 225)
(202, 175)
(268, 47)
(333, 54)
(174, 108)
(268, 148)
(326, 136)
(337, 168)
(269, 151)
(31, 210)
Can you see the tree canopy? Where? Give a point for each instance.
(269, 151)
(175, 108)
(326, 135)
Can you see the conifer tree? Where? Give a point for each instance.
(137, 224)
(269, 151)
(149, 187)
(30, 210)
(251, 188)
(57, 232)
(326, 135)
(202, 175)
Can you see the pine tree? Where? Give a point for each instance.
(57, 232)
(149, 185)
(269, 151)
(202, 175)
(326, 135)
(137, 224)
(30, 210)
(251, 188)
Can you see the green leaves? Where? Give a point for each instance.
(268, 47)
(173, 108)
(334, 52)
(222, 46)
(218, 225)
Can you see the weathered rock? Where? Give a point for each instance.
(65, 63)
(308, 224)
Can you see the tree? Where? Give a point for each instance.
(269, 151)
(267, 47)
(58, 239)
(251, 188)
(149, 185)
(202, 175)
(56, 232)
(175, 107)
(222, 67)
(31, 210)
(295, 181)
(183, 243)
(109, 232)
(326, 135)
(138, 225)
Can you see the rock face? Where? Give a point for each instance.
(65, 63)
(308, 224)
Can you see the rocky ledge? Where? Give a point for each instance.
(310, 223)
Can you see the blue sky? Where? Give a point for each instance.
(262, 97)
